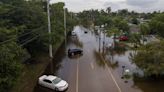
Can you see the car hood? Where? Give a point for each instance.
(61, 83)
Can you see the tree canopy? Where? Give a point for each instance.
(157, 24)
(150, 58)
(23, 33)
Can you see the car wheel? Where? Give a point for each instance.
(56, 89)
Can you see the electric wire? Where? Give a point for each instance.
(14, 38)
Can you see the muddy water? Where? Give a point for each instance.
(89, 73)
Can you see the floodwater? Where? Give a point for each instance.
(90, 72)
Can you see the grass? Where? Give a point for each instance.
(28, 79)
(31, 72)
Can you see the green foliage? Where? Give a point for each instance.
(106, 18)
(117, 22)
(108, 10)
(123, 12)
(157, 24)
(145, 29)
(21, 20)
(124, 26)
(134, 21)
(113, 31)
(150, 58)
(135, 39)
(6, 34)
(86, 17)
(11, 56)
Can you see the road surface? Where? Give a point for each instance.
(89, 72)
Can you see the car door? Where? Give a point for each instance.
(48, 83)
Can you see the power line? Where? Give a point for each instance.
(29, 40)
(7, 41)
(29, 32)
(14, 38)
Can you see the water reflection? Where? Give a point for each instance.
(101, 62)
(75, 56)
(55, 65)
(75, 41)
(115, 58)
(119, 49)
(149, 85)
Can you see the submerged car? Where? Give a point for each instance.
(53, 82)
(72, 52)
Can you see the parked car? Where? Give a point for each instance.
(53, 82)
(123, 38)
(72, 52)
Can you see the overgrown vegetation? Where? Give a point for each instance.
(150, 59)
(23, 34)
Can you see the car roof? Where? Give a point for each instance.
(51, 77)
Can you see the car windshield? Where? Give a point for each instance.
(57, 80)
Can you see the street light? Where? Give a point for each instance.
(50, 37)
(49, 29)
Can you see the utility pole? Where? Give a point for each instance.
(104, 40)
(65, 30)
(49, 29)
(99, 40)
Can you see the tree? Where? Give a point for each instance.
(20, 22)
(123, 12)
(135, 21)
(157, 24)
(150, 58)
(11, 56)
(108, 10)
(145, 30)
(113, 31)
(121, 24)
(135, 39)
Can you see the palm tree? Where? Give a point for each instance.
(108, 10)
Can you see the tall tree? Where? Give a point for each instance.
(145, 30)
(150, 58)
(108, 10)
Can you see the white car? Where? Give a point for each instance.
(53, 82)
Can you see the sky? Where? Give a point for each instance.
(135, 5)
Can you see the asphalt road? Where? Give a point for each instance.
(89, 72)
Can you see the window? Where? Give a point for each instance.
(47, 81)
(56, 81)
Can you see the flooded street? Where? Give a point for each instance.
(90, 73)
